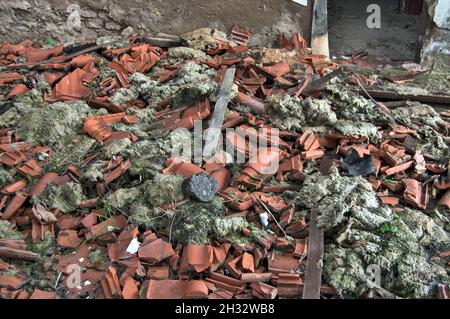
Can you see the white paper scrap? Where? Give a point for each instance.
(133, 246)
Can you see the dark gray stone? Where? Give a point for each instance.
(357, 166)
(201, 187)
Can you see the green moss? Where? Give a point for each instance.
(123, 197)
(97, 258)
(351, 128)
(54, 125)
(7, 231)
(194, 222)
(144, 215)
(49, 42)
(42, 247)
(116, 147)
(66, 197)
(353, 107)
(192, 82)
(5, 178)
(163, 189)
(285, 112)
(180, 54)
(202, 39)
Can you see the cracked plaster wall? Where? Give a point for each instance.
(70, 21)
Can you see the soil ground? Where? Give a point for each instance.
(397, 38)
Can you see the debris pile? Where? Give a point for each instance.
(105, 193)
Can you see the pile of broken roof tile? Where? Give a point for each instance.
(120, 260)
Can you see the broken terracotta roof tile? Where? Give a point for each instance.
(11, 282)
(185, 169)
(9, 77)
(279, 263)
(199, 257)
(158, 272)
(443, 183)
(219, 256)
(14, 205)
(177, 289)
(42, 294)
(274, 202)
(393, 185)
(116, 222)
(252, 102)
(308, 141)
(236, 199)
(17, 90)
(130, 289)
(53, 77)
(71, 87)
(311, 155)
(293, 164)
(111, 286)
(227, 283)
(262, 290)
(389, 200)
(30, 168)
(68, 222)
(221, 294)
(399, 168)
(14, 147)
(295, 42)
(284, 245)
(256, 277)
(445, 200)
(415, 195)
(16, 249)
(240, 35)
(15, 187)
(12, 158)
(155, 251)
(42, 183)
(37, 55)
(223, 178)
(247, 263)
(117, 172)
(89, 220)
(289, 285)
(68, 239)
(232, 266)
(260, 167)
(266, 241)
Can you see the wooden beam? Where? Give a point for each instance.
(319, 29)
(215, 126)
(18, 254)
(386, 95)
(313, 273)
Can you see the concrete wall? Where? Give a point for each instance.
(436, 42)
(75, 20)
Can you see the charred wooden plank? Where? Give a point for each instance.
(313, 274)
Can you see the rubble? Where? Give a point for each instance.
(96, 172)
